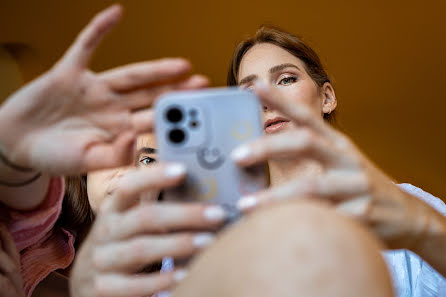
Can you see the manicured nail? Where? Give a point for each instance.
(174, 170)
(260, 85)
(241, 153)
(179, 275)
(246, 203)
(214, 213)
(203, 239)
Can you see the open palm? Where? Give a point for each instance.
(71, 120)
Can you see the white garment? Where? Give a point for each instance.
(413, 277)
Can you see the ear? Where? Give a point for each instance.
(329, 101)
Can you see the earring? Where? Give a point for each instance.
(329, 111)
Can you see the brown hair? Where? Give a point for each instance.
(77, 215)
(291, 43)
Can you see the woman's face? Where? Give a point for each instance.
(271, 64)
(101, 184)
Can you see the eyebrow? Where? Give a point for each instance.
(146, 150)
(272, 70)
(281, 67)
(248, 79)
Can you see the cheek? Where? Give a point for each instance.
(304, 93)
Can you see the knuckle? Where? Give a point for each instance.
(123, 190)
(311, 186)
(99, 287)
(137, 250)
(97, 259)
(364, 182)
(149, 219)
(186, 241)
(104, 229)
(14, 270)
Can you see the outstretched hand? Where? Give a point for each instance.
(349, 180)
(71, 120)
(130, 233)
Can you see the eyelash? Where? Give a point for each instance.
(292, 78)
(151, 160)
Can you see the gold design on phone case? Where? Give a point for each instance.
(241, 130)
(205, 190)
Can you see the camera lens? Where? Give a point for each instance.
(177, 136)
(174, 115)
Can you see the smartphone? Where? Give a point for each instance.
(200, 129)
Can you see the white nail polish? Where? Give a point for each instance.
(179, 275)
(174, 170)
(241, 153)
(203, 239)
(247, 202)
(214, 213)
(260, 85)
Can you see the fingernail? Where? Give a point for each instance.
(260, 85)
(179, 275)
(246, 203)
(174, 170)
(214, 213)
(203, 239)
(241, 153)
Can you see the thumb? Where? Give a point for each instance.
(109, 155)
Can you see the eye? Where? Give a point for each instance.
(288, 80)
(146, 161)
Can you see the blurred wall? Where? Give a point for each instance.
(386, 59)
(10, 76)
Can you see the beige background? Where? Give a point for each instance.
(387, 59)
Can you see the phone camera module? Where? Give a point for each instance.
(194, 124)
(177, 136)
(174, 115)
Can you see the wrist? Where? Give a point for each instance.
(12, 175)
(432, 232)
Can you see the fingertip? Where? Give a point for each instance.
(179, 275)
(114, 11)
(127, 143)
(179, 63)
(215, 213)
(174, 170)
(260, 87)
(143, 121)
(200, 81)
(241, 154)
(247, 203)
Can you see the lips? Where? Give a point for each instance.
(275, 124)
